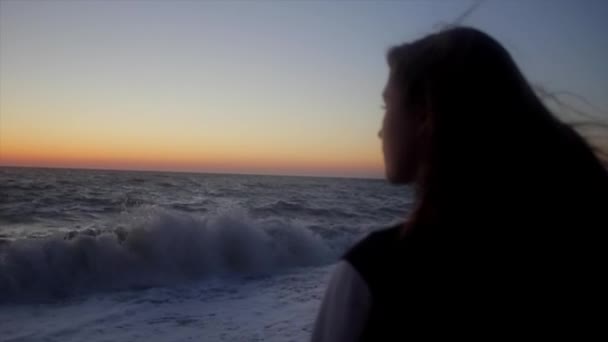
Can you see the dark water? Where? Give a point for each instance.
(64, 231)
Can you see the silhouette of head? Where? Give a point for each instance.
(461, 120)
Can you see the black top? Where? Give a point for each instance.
(425, 286)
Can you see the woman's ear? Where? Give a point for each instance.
(425, 114)
(423, 127)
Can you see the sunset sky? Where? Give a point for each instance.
(264, 87)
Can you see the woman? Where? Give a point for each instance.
(507, 232)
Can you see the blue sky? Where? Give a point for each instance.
(289, 87)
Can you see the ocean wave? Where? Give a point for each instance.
(286, 207)
(155, 247)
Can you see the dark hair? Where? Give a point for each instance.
(511, 202)
(497, 162)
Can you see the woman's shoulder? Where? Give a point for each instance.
(375, 251)
(375, 241)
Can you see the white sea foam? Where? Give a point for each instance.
(153, 247)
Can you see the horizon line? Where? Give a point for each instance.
(84, 168)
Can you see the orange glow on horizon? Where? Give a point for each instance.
(148, 156)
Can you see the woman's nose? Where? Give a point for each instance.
(380, 134)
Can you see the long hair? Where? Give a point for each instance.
(511, 203)
(497, 164)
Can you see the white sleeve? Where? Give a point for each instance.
(345, 306)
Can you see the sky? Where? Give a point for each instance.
(263, 87)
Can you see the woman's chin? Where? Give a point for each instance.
(395, 177)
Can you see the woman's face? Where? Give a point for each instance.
(399, 135)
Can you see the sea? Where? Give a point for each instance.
(98, 255)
